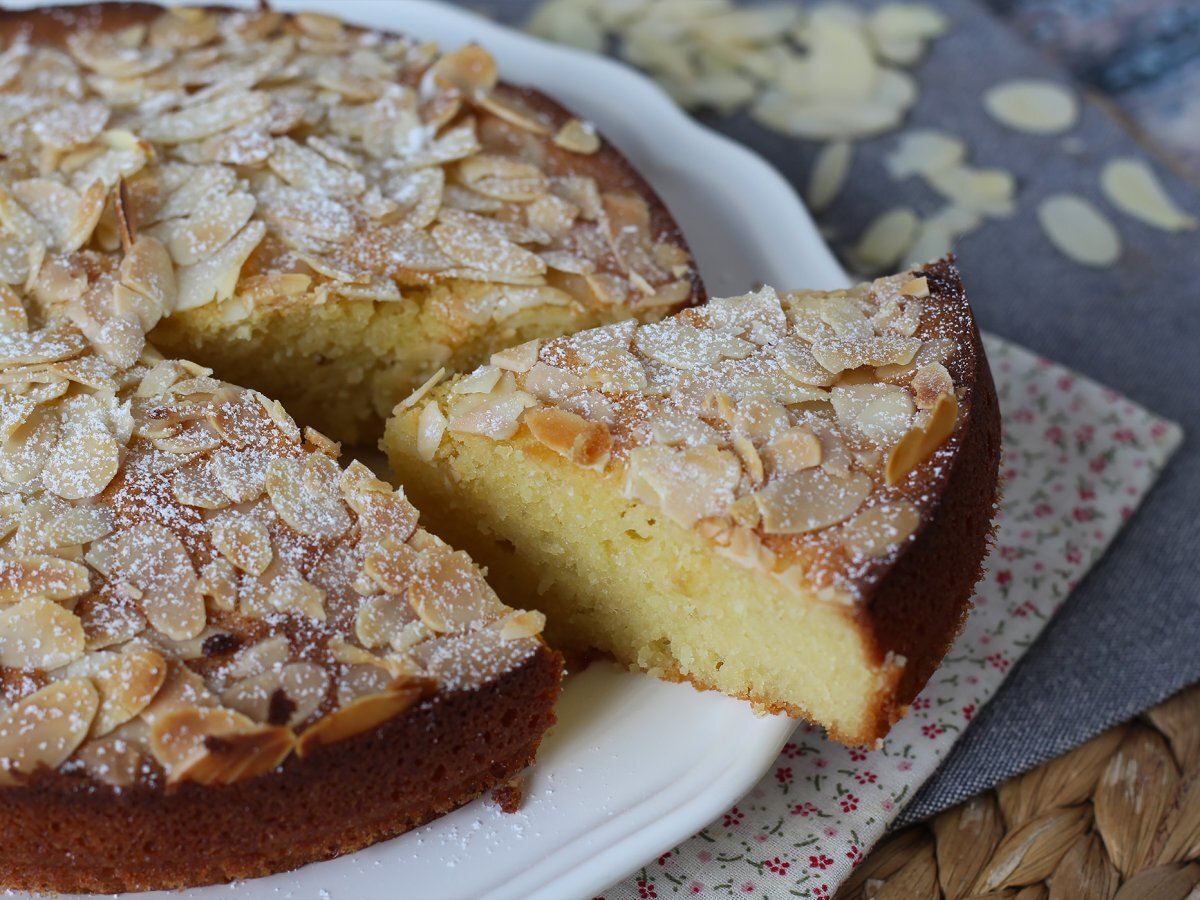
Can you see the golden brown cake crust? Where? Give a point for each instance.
(61, 833)
(920, 607)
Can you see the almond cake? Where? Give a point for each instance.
(346, 212)
(783, 496)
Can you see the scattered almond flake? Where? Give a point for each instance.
(829, 172)
(1132, 186)
(567, 22)
(1079, 230)
(939, 233)
(886, 240)
(924, 152)
(1033, 105)
(990, 192)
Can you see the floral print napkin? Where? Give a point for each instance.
(1078, 458)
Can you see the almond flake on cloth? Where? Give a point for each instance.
(1078, 460)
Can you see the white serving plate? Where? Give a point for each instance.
(634, 765)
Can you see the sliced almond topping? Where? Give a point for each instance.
(392, 566)
(810, 499)
(38, 634)
(381, 620)
(578, 136)
(518, 359)
(219, 583)
(879, 530)
(496, 416)
(791, 451)
(216, 746)
(929, 383)
(43, 729)
(449, 594)
(362, 715)
(584, 443)
(243, 541)
(126, 686)
(686, 485)
(154, 561)
(44, 576)
(307, 497)
(522, 624)
(918, 444)
(292, 594)
(470, 69)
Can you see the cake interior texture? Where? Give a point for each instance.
(611, 573)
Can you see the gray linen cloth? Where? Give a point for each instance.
(1127, 637)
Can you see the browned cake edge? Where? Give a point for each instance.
(920, 601)
(921, 606)
(61, 833)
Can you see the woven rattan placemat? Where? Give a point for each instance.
(1117, 817)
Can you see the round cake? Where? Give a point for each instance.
(222, 652)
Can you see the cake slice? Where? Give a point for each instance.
(785, 497)
(346, 211)
(223, 654)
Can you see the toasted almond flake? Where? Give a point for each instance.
(470, 69)
(44, 729)
(879, 530)
(1033, 105)
(584, 443)
(245, 542)
(1133, 187)
(687, 485)
(217, 746)
(449, 595)
(1079, 230)
(829, 172)
(810, 499)
(215, 277)
(360, 716)
(918, 444)
(126, 685)
(496, 416)
(44, 576)
(431, 426)
(38, 634)
(578, 136)
(153, 560)
(307, 497)
(522, 625)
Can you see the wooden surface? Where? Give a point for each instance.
(1117, 817)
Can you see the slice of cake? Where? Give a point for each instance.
(785, 497)
(346, 212)
(222, 654)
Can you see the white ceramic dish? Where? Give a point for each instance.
(634, 765)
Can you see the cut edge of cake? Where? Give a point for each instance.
(534, 510)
